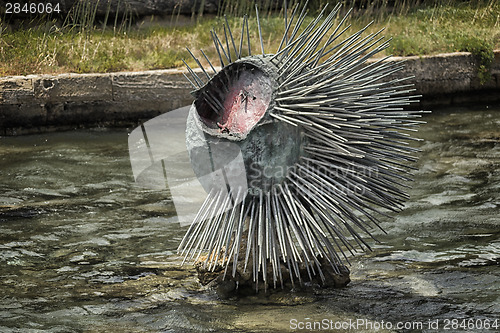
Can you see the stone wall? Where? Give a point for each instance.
(37, 103)
(43, 102)
(451, 79)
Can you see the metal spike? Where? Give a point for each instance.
(199, 64)
(194, 86)
(227, 44)
(260, 29)
(241, 37)
(285, 12)
(197, 79)
(217, 48)
(213, 69)
(284, 39)
(232, 40)
(248, 37)
(217, 40)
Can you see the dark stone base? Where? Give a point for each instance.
(225, 285)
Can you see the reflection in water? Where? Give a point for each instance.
(82, 248)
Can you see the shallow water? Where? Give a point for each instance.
(85, 249)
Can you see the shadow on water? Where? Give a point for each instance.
(84, 249)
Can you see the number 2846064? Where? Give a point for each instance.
(31, 8)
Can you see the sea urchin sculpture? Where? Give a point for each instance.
(324, 143)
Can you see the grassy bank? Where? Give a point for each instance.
(84, 47)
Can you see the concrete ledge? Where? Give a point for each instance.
(447, 73)
(36, 103)
(73, 88)
(150, 85)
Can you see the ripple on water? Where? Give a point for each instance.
(83, 247)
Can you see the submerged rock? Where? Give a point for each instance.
(225, 284)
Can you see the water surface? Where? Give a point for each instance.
(85, 249)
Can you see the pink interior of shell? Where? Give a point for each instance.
(235, 100)
(246, 103)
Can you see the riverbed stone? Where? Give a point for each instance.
(226, 285)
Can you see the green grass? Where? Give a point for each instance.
(81, 46)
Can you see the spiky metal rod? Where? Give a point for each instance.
(339, 128)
